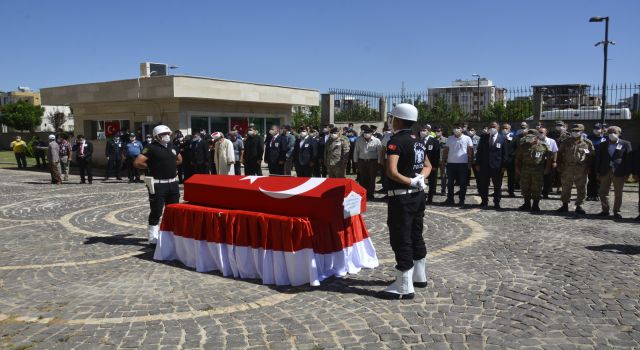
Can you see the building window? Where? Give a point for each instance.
(103, 129)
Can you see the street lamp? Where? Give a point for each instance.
(606, 43)
(478, 98)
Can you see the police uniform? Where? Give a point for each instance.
(405, 209)
(161, 163)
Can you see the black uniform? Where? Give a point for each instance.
(162, 167)
(432, 150)
(405, 212)
(253, 153)
(113, 152)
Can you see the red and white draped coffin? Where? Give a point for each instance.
(283, 230)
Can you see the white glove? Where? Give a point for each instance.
(418, 181)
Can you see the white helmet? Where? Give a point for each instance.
(160, 129)
(405, 111)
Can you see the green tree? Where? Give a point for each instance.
(496, 111)
(518, 110)
(357, 113)
(302, 117)
(57, 119)
(440, 113)
(21, 115)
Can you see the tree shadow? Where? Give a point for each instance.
(121, 239)
(625, 249)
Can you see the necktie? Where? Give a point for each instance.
(82, 149)
(492, 140)
(273, 140)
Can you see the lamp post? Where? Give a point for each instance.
(478, 98)
(606, 43)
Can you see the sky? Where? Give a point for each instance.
(366, 45)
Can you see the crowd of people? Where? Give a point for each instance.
(535, 159)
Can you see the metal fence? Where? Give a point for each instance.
(482, 103)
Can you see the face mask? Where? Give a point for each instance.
(438, 133)
(505, 131)
(457, 132)
(597, 132)
(325, 131)
(180, 139)
(493, 131)
(334, 136)
(149, 139)
(367, 136)
(250, 133)
(423, 134)
(272, 132)
(196, 138)
(80, 141)
(303, 134)
(471, 133)
(613, 137)
(575, 134)
(541, 137)
(164, 139)
(560, 128)
(116, 139)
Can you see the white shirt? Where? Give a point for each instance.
(367, 150)
(458, 148)
(552, 144)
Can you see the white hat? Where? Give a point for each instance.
(160, 129)
(216, 135)
(405, 111)
(52, 137)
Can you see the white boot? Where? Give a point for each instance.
(420, 273)
(153, 233)
(401, 288)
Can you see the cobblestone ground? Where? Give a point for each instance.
(75, 272)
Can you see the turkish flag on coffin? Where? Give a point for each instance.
(318, 198)
(111, 128)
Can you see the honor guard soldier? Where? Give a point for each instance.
(161, 158)
(407, 167)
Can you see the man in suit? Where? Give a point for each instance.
(253, 152)
(201, 156)
(613, 164)
(432, 149)
(489, 163)
(113, 153)
(509, 161)
(305, 154)
(323, 138)
(275, 153)
(84, 153)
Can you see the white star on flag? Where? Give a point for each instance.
(251, 178)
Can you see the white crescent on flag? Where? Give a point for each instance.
(305, 187)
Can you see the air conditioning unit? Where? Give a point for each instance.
(149, 69)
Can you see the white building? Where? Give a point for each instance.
(470, 95)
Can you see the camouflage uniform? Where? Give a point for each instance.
(574, 160)
(532, 159)
(336, 154)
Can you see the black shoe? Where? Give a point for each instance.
(106, 179)
(130, 181)
(603, 213)
(525, 206)
(484, 204)
(535, 208)
(448, 202)
(83, 182)
(596, 199)
(563, 209)
(545, 196)
(394, 296)
(420, 284)
(442, 193)
(617, 216)
(512, 195)
(429, 201)
(580, 211)
(497, 206)
(119, 178)
(461, 205)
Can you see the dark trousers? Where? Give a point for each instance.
(253, 167)
(237, 168)
(276, 169)
(432, 182)
(41, 160)
(132, 172)
(164, 194)
(201, 168)
(180, 169)
(405, 215)
(367, 169)
(593, 186)
(511, 176)
(21, 159)
(113, 167)
(85, 169)
(494, 176)
(384, 177)
(457, 173)
(303, 170)
(548, 182)
(55, 174)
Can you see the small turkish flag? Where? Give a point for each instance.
(111, 128)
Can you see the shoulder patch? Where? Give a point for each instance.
(392, 147)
